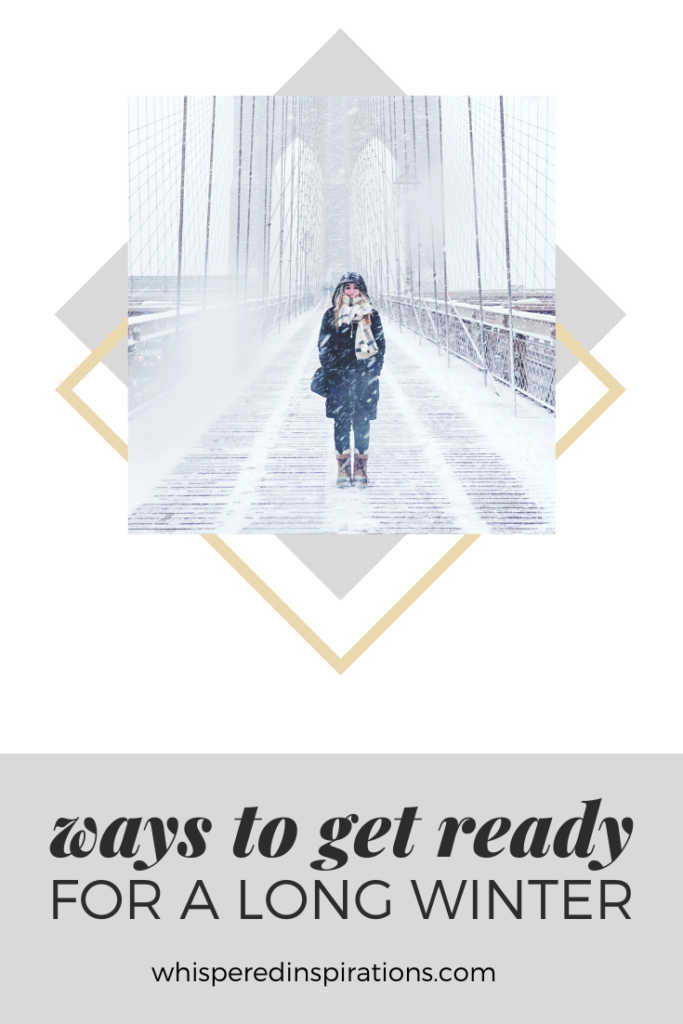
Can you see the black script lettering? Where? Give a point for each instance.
(583, 847)
(161, 846)
(484, 836)
(405, 827)
(466, 825)
(193, 834)
(128, 846)
(246, 824)
(373, 829)
(333, 830)
(539, 838)
(268, 833)
(78, 840)
(616, 847)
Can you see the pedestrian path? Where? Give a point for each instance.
(267, 464)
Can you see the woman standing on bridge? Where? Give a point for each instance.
(351, 347)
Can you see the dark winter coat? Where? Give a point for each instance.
(353, 383)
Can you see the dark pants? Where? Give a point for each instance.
(361, 432)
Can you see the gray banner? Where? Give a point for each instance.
(80, 968)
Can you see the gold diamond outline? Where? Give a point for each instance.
(66, 389)
(339, 663)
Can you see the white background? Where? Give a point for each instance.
(564, 643)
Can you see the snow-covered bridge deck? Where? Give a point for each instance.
(446, 454)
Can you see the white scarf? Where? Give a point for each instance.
(358, 310)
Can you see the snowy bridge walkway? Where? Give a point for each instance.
(446, 454)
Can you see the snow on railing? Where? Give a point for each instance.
(485, 344)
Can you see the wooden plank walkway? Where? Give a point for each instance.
(267, 464)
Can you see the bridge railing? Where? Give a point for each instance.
(486, 344)
(165, 345)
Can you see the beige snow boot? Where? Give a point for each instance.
(360, 468)
(343, 469)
